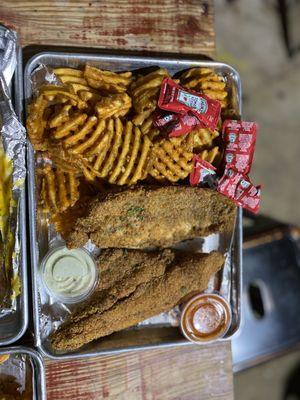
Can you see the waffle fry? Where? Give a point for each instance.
(36, 123)
(145, 91)
(122, 154)
(50, 92)
(107, 81)
(203, 137)
(59, 190)
(172, 159)
(212, 155)
(116, 105)
(206, 81)
(70, 75)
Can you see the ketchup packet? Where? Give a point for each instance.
(203, 172)
(185, 124)
(239, 138)
(162, 119)
(238, 188)
(175, 124)
(176, 99)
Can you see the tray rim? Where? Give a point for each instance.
(176, 61)
(24, 308)
(40, 380)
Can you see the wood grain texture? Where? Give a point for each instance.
(177, 26)
(187, 373)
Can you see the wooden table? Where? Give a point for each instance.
(174, 26)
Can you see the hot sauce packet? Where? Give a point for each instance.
(239, 138)
(176, 99)
(203, 172)
(238, 187)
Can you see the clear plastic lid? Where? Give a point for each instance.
(69, 275)
(205, 318)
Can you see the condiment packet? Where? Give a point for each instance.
(237, 187)
(239, 138)
(203, 172)
(161, 119)
(175, 124)
(176, 99)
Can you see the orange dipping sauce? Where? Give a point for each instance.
(205, 318)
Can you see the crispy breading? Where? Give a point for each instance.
(153, 216)
(151, 284)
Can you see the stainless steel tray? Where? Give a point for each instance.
(13, 326)
(39, 384)
(158, 331)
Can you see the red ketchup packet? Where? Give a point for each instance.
(175, 124)
(202, 171)
(238, 188)
(162, 119)
(185, 124)
(239, 138)
(176, 99)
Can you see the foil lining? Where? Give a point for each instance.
(13, 140)
(16, 376)
(51, 313)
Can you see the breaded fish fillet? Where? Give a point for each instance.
(152, 283)
(153, 217)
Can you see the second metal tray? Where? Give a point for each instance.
(158, 331)
(36, 363)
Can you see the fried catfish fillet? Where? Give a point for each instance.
(134, 286)
(153, 217)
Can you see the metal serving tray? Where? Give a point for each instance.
(13, 325)
(39, 383)
(158, 331)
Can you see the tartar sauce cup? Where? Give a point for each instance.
(69, 275)
(205, 318)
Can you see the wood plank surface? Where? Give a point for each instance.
(177, 26)
(187, 373)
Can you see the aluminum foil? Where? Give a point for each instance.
(16, 376)
(13, 140)
(8, 48)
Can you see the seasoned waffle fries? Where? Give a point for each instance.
(204, 80)
(122, 154)
(107, 81)
(116, 105)
(172, 159)
(212, 155)
(203, 137)
(38, 118)
(59, 190)
(145, 92)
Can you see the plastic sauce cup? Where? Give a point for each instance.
(69, 275)
(205, 318)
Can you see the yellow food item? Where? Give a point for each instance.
(3, 358)
(116, 105)
(172, 158)
(212, 155)
(59, 190)
(107, 81)
(206, 81)
(6, 200)
(122, 154)
(38, 123)
(145, 91)
(203, 137)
